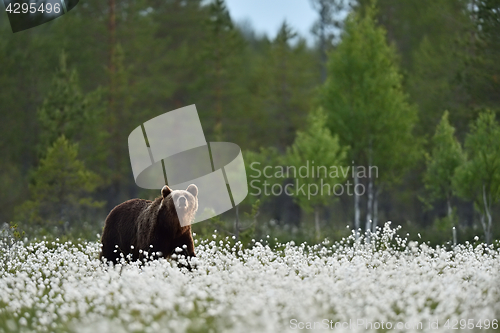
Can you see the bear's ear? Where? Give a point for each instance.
(165, 191)
(193, 189)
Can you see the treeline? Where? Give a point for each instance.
(409, 87)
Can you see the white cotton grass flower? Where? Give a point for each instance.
(64, 287)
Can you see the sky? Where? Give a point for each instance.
(266, 16)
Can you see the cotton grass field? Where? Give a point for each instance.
(345, 287)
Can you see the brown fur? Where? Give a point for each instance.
(141, 223)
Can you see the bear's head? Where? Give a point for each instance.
(184, 203)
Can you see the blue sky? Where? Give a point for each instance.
(266, 16)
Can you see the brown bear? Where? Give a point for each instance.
(138, 226)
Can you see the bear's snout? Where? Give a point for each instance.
(182, 202)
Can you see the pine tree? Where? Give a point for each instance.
(285, 80)
(66, 110)
(482, 70)
(60, 189)
(328, 26)
(221, 51)
(117, 116)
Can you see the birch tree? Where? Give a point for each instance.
(478, 179)
(368, 108)
(317, 147)
(446, 156)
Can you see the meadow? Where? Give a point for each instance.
(389, 284)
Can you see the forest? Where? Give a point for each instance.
(398, 99)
